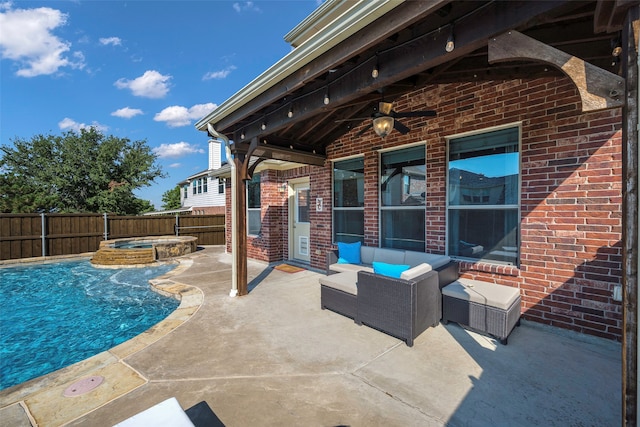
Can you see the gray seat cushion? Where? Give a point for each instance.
(345, 281)
(341, 268)
(414, 258)
(489, 294)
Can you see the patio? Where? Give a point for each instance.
(275, 358)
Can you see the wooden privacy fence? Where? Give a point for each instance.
(35, 235)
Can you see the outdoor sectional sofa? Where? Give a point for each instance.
(447, 269)
(402, 306)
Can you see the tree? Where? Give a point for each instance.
(171, 199)
(76, 172)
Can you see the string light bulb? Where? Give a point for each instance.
(326, 99)
(263, 126)
(376, 70)
(451, 41)
(290, 112)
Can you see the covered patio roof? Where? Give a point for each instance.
(296, 108)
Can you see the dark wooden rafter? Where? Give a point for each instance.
(599, 89)
(402, 62)
(610, 15)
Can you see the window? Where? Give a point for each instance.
(204, 184)
(348, 201)
(254, 219)
(220, 185)
(402, 198)
(195, 187)
(186, 191)
(483, 197)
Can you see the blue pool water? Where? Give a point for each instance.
(54, 315)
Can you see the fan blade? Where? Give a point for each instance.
(400, 127)
(385, 108)
(355, 119)
(429, 113)
(366, 128)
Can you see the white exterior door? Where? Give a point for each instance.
(301, 208)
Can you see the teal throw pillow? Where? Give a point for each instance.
(391, 270)
(349, 253)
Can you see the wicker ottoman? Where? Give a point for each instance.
(485, 307)
(339, 293)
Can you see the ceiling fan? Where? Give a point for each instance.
(384, 119)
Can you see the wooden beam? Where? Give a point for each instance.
(599, 89)
(409, 58)
(609, 15)
(630, 220)
(270, 151)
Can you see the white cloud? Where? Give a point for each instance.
(151, 84)
(175, 165)
(70, 124)
(177, 115)
(113, 41)
(26, 37)
(220, 74)
(179, 149)
(247, 6)
(127, 113)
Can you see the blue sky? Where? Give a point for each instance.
(135, 69)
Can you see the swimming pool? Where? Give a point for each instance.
(54, 315)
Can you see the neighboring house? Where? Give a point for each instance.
(519, 176)
(202, 194)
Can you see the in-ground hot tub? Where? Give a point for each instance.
(143, 250)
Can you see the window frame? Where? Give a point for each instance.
(493, 208)
(254, 209)
(334, 208)
(397, 208)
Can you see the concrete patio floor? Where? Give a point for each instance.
(274, 358)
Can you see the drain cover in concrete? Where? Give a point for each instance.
(83, 386)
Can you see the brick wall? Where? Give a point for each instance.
(272, 244)
(570, 194)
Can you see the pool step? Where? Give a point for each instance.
(118, 256)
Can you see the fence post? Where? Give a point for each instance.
(106, 230)
(177, 225)
(43, 226)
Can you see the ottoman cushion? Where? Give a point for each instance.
(489, 294)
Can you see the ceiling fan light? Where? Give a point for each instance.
(383, 125)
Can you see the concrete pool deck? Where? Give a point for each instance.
(275, 358)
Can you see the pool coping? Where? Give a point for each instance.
(42, 399)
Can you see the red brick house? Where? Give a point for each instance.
(527, 174)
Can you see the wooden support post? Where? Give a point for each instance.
(241, 156)
(241, 227)
(630, 224)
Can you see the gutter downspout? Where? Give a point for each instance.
(234, 214)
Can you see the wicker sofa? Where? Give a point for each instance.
(448, 270)
(403, 307)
